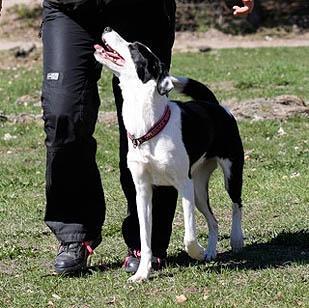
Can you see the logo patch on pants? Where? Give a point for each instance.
(52, 76)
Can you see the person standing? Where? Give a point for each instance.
(75, 206)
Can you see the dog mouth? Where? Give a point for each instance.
(110, 54)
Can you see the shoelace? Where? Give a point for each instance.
(68, 246)
(88, 247)
(137, 254)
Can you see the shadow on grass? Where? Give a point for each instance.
(280, 251)
(88, 271)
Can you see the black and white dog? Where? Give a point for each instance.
(173, 143)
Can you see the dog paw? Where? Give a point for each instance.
(195, 251)
(138, 277)
(237, 244)
(210, 255)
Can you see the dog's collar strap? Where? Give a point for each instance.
(155, 130)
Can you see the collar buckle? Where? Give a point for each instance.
(156, 129)
(135, 142)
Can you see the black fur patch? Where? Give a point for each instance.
(147, 64)
(199, 91)
(208, 129)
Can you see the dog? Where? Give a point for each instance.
(174, 144)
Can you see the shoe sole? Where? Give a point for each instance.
(79, 267)
(71, 270)
(133, 270)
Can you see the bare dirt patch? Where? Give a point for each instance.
(280, 107)
(8, 268)
(19, 22)
(21, 19)
(9, 61)
(214, 39)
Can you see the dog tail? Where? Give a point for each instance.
(194, 89)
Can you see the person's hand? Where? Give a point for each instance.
(245, 10)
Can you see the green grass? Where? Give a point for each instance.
(271, 271)
(247, 73)
(232, 73)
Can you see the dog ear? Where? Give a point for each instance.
(164, 84)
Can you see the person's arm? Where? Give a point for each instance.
(245, 10)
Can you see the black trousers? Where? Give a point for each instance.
(75, 206)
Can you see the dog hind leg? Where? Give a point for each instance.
(233, 183)
(201, 179)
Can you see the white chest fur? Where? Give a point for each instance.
(163, 155)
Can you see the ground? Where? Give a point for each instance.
(16, 34)
(257, 84)
(189, 41)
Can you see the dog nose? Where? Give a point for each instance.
(108, 29)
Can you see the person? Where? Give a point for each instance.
(75, 205)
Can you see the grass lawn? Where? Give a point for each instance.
(271, 271)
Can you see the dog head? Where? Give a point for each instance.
(132, 60)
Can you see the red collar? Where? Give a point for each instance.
(155, 130)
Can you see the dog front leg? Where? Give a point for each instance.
(144, 209)
(192, 247)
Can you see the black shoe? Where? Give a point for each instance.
(132, 260)
(72, 257)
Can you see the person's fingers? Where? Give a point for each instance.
(240, 11)
(245, 10)
(249, 4)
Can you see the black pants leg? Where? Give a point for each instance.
(75, 208)
(75, 201)
(152, 24)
